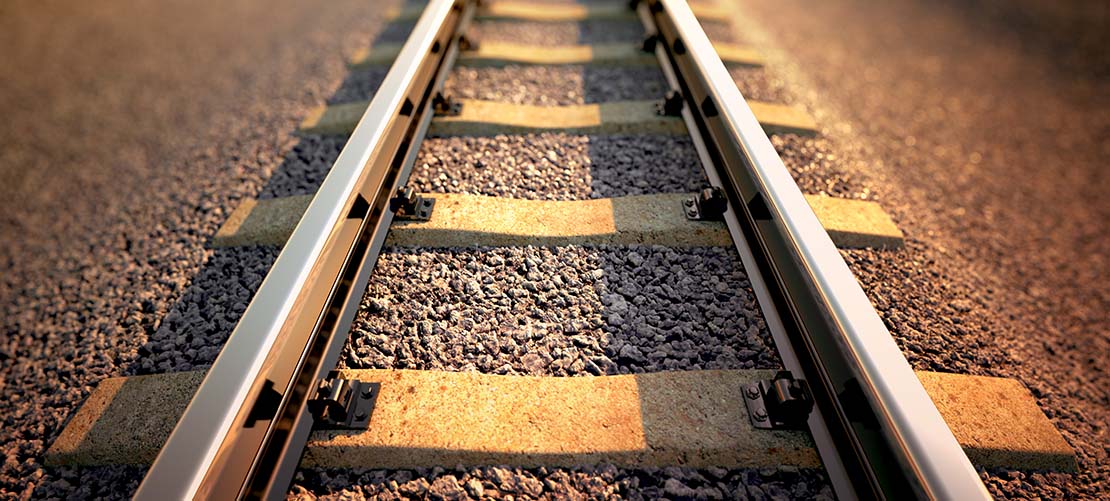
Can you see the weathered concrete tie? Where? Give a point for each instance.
(494, 53)
(509, 10)
(474, 220)
(686, 418)
(490, 118)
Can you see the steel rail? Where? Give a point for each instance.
(876, 423)
(822, 437)
(245, 428)
(876, 429)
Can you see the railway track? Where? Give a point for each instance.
(847, 401)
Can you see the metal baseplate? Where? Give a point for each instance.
(782, 403)
(671, 105)
(468, 43)
(408, 205)
(343, 404)
(446, 106)
(708, 205)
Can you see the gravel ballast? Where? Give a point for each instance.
(108, 273)
(596, 482)
(562, 85)
(562, 33)
(757, 84)
(304, 169)
(360, 85)
(131, 130)
(817, 169)
(981, 127)
(560, 311)
(567, 311)
(559, 166)
(192, 333)
(557, 85)
(629, 31)
(556, 166)
(547, 166)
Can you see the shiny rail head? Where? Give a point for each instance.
(912, 422)
(186, 460)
